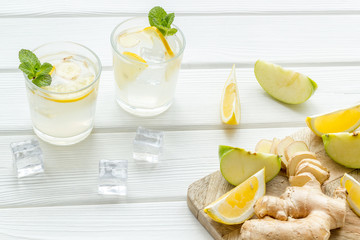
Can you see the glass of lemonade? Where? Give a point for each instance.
(146, 66)
(63, 112)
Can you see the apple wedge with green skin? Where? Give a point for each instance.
(237, 164)
(282, 84)
(343, 148)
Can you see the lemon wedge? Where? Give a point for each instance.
(353, 192)
(342, 120)
(236, 206)
(230, 102)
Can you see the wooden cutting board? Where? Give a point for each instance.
(204, 191)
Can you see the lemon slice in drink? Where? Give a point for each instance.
(353, 189)
(343, 120)
(52, 70)
(145, 36)
(230, 102)
(70, 97)
(125, 70)
(129, 40)
(237, 205)
(155, 32)
(134, 56)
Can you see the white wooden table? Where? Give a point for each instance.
(319, 38)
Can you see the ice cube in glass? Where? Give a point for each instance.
(147, 146)
(28, 158)
(113, 177)
(155, 53)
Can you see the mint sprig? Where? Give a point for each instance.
(42, 80)
(31, 66)
(162, 21)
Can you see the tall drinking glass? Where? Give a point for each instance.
(146, 66)
(63, 113)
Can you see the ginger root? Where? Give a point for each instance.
(296, 159)
(320, 174)
(300, 213)
(303, 211)
(301, 179)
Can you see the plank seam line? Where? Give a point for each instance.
(140, 201)
(227, 65)
(117, 130)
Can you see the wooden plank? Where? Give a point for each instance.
(122, 221)
(44, 8)
(197, 101)
(208, 189)
(215, 41)
(71, 172)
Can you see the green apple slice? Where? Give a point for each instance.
(284, 85)
(237, 164)
(343, 148)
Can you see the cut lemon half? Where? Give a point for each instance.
(237, 205)
(342, 120)
(353, 192)
(154, 31)
(230, 101)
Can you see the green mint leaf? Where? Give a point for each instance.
(27, 69)
(31, 66)
(172, 31)
(162, 29)
(157, 13)
(162, 21)
(44, 69)
(42, 80)
(169, 19)
(156, 22)
(26, 56)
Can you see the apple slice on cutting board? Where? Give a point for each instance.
(237, 164)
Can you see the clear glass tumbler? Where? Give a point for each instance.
(63, 113)
(146, 66)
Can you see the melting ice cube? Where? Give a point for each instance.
(147, 145)
(113, 177)
(28, 158)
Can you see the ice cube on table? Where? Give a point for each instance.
(28, 158)
(113, 176)
(147, 145)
